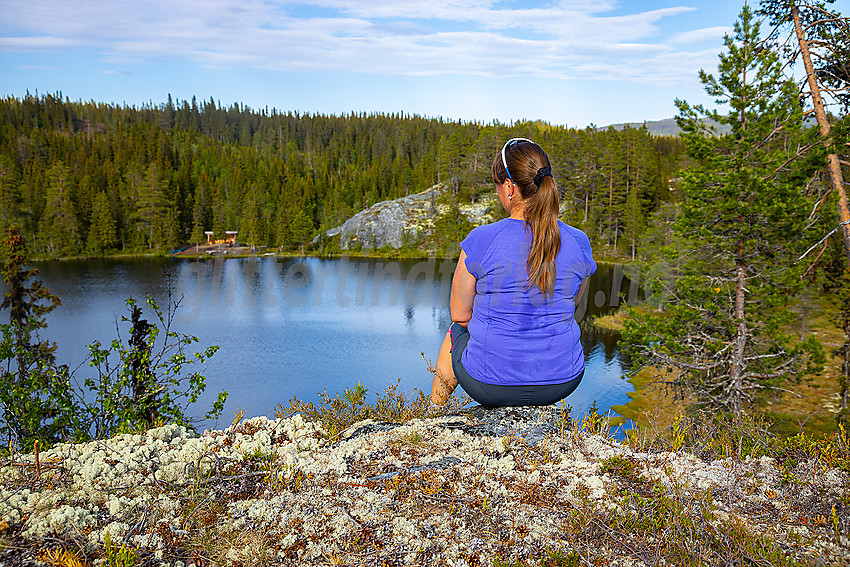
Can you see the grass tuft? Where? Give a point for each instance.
(338, 412)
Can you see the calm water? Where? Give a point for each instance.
(297, 327)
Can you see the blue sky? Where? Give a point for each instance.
(570, 62)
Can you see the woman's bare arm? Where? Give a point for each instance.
(463, 293)
(581, 290)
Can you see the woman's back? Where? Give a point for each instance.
(518, 334)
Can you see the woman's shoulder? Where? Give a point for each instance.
(580, 238)
(491, 230)
(481, 238)
(576, 233)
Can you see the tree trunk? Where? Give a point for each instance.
(833, 164)
(843, 380)
(837, 179)
(637, 201)
(736, 389)
(611, 203)
(586, 203)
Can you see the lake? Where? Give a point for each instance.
(296, 327)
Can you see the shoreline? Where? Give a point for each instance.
(382, 255)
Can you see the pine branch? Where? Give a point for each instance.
(834, 18)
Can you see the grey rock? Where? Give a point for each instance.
(479, 213)
(443, 463)
(365, 428)
(411, 218)
(389, 223)
(528, 423)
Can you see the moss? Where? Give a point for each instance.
(650, 405)
(610, 322)
(786, 425)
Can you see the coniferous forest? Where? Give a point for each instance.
(92, 179)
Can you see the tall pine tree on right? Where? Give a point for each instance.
(816, 40)
(720, 337)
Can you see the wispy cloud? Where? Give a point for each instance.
(566, 39)
(35, 43)
(38, 67)
(713, 34)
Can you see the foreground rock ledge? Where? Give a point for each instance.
(456, 490)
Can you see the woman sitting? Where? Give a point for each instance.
(514, 340)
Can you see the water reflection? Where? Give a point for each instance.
(296, 327)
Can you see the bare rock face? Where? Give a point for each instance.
(389, 223)
(405, 220)
(530, 424)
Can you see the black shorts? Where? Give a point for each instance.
(494, 395)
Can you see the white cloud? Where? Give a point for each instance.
(35, 43)
(454, 10)
(713, 34)
(567, 39)
(38, 67)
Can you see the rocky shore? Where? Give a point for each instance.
(475, 488)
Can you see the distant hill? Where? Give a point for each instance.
(666, 127)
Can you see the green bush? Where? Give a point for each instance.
(139, 383)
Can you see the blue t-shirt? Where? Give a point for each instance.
(519, 336)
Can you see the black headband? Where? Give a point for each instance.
(541, 173)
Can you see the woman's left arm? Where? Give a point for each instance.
(463, 293)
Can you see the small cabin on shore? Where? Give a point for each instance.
(229, 237)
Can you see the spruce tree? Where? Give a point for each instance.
(59, 228)
(102, 229)
(300, 229)
(822, 39)
(9, 193)
(36, 395)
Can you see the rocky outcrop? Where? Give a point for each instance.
(410, 220)
(402, 221)
(461, 489)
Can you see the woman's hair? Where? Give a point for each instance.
(528, 166)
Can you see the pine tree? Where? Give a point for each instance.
(743, 216)
(824, 60)
(633, 220)
(822, 36)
